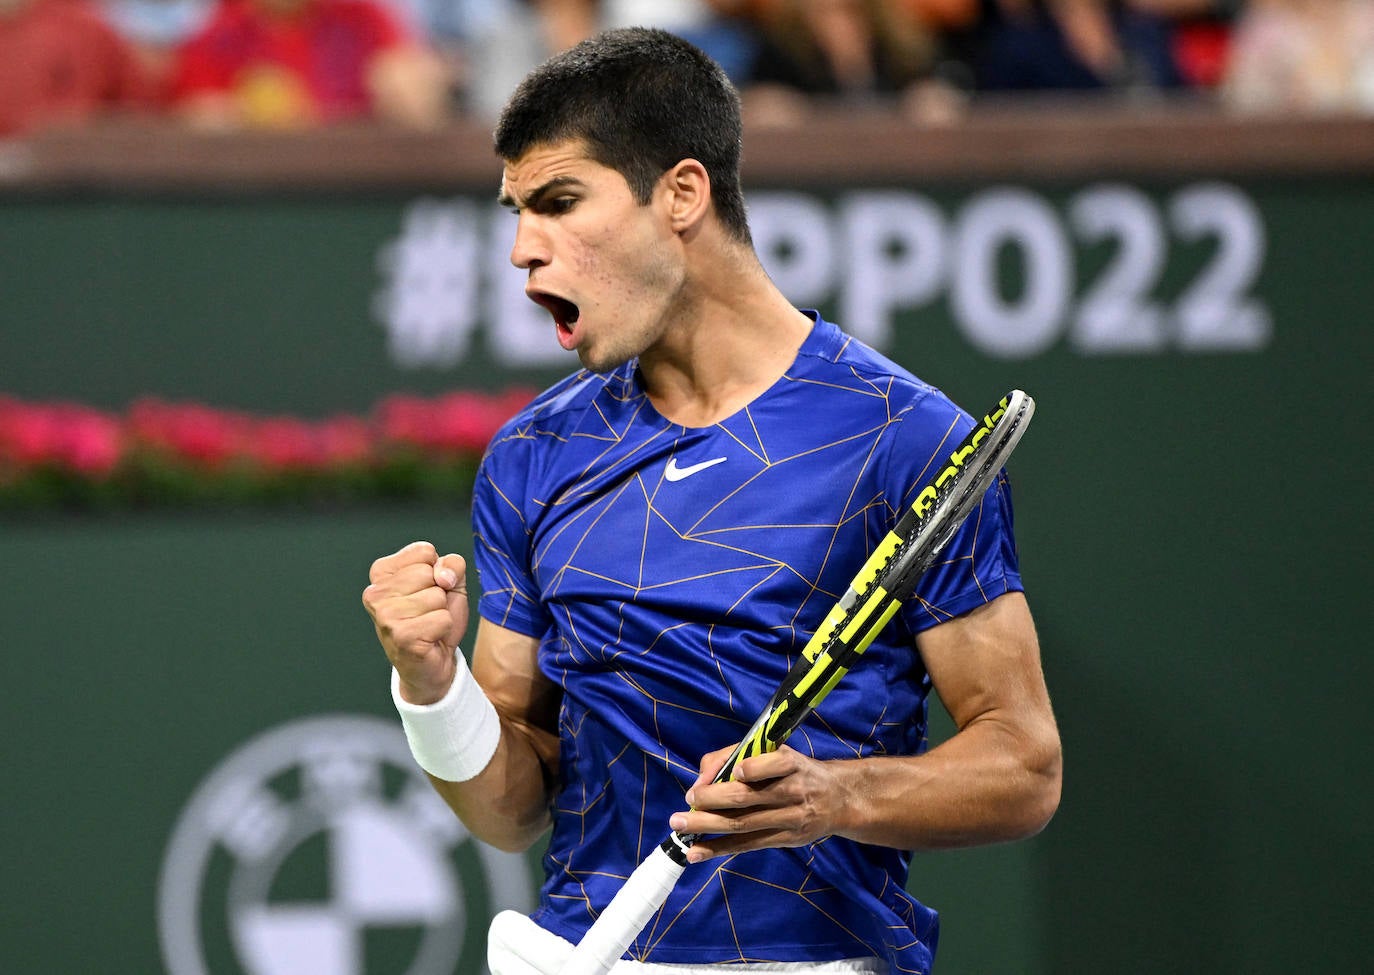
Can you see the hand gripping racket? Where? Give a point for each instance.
(888, 577)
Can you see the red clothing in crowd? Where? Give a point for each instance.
(60, 62)
(319, 54)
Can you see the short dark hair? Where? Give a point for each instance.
(642, 100)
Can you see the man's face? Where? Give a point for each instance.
(608, 269)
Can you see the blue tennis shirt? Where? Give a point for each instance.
(672, 575)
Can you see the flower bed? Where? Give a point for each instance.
(65, 455)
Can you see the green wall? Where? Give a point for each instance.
(1190, 522)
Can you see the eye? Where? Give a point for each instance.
(561, 204)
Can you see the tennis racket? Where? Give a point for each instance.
(887, 578)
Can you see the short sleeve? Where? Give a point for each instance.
(501, 538)
(980, 562)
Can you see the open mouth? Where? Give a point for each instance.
(564, 312)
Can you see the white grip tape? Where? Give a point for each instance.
(625, 916)
(455, 737)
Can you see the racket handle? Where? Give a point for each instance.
(625, 916)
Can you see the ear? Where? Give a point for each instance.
(687, 192)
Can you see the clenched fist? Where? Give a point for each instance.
(419, 604)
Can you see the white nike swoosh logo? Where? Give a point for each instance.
(674, 473)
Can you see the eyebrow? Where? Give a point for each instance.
(537, 194)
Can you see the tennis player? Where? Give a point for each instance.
(658, 535)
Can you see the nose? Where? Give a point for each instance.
(531, 248)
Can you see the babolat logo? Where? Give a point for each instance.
(926, 498)
(318, 848)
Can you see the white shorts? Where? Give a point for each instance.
(518, 946)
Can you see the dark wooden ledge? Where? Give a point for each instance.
(1041, 140)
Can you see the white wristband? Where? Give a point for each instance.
(455, 737)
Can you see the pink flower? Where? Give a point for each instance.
(345, 440)
(464, 422)
(93, 442)
(285, 443)
(190, 431)
(28, 433)
(455, 423)
(404, 420)
(67, 435)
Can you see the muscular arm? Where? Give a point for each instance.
(418, 603)
(997, 778)
(507, 803)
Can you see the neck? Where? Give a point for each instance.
(733, 336)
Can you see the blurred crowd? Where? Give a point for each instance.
(419, 63)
